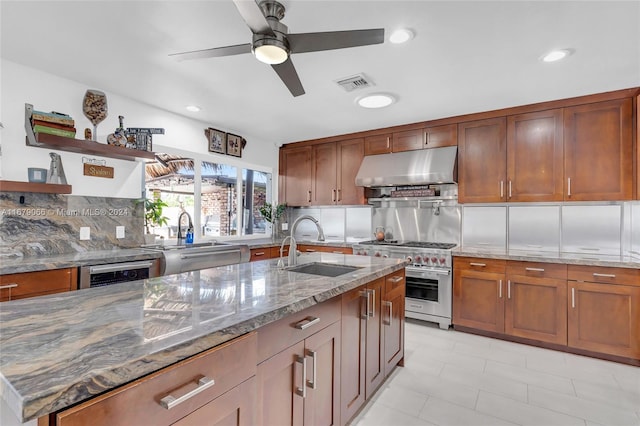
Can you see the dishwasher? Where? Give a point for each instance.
(113, 273)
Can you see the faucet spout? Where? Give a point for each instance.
(293, 249)
(180, 237)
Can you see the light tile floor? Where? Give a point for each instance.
(453, 378)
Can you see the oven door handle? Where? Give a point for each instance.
(421, 271)
(99, 269)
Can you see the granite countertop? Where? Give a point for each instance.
(61, 349)
(586, 259)
(15, 265)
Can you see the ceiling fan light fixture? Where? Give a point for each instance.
(401, 35)
(270, 54)
(376, 100)
(193, 108)
(556, 55)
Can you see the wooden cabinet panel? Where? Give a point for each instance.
(598, 157)
(296, 175)
(306, 248)
(601, 274)
(377, 144)
(537, 269)
(374, 364)
(535, 170)
(408, 140)
(354, 332)
(480, 265)
(234, 408)
(478, 300)
(437, 136)
(393, 320)
(604, 318)
(31, 284)
(536, 308)
(323, 177)
(260, 254)
(482, 152)
(275, 251)
(139, 402)
(349, 157)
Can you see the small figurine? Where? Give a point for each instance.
(118, 137)
(87, 134)
(56, 172)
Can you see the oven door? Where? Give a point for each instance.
(428, 292)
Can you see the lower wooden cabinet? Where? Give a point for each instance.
(306, 248)
(261, 254)
(393, 320)
(31, 284)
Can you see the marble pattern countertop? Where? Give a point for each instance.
(61, 349)
(586, 259)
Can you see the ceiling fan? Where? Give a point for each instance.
(272, 44)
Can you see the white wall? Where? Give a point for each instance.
(47, 92)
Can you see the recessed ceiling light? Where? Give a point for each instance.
(556, 55)
(376, 100)
(401, 35)
(193, 108)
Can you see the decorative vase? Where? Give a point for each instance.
(275, 227)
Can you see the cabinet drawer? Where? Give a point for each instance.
(394, 281)
(600, 274)
(480, 264)
(539, 270)
(29, 284)
(138, 403)
(260, 253)
(279, 335)
(275, 251)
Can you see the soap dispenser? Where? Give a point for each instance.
(189, 237)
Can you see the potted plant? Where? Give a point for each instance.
(153, 217)
(271, 214)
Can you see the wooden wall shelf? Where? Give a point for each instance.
(47, 141)
(43, 188)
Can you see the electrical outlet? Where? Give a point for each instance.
(119, 231)
(285, 226)
(85, 233)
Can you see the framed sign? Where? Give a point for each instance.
(234, 145)
(217, 140)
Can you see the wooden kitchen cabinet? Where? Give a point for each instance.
(31, 284)
(603, 311)
(296, 175)
(408, 140)
(535, 170)
(334, 169)
(598, 145)
(139, 402)
(482, 154)
(437, 136)
(377, 144)
(306, 248)
(261, 254)
(393, 320)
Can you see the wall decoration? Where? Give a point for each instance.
(140, 138)
(94, 107)
(97, 168)
(235, 144)
(217, 140)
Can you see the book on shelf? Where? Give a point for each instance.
(53, 131)
(53, 125)
(53, 117)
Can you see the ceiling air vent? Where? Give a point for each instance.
(354, 82)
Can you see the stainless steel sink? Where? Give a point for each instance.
(324, 269)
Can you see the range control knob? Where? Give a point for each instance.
(410, 259)
(443, 260)
(434, 261)
(418, 259)
(377, 254)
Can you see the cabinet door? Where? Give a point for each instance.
(408, 140)
(535, 170)
(349, 155)
(374, 363)
(322, 402)
(234, 408)
(393, 320)
(536, 309)
(323, 178)
(354, 332)
(482, 159)
(260, 254)
(446, 135)
(280, 385)
(598, 145)
(31, 284)
(377, 144)
(478, 300)
(604, 318)
(296, 174)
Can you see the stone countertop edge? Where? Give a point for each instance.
(627, 261)
(30, 395)
(263, 243)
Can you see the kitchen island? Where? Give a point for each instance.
(62, 349)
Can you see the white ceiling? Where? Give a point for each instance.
(466, 57)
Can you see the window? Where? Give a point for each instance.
(227, 197)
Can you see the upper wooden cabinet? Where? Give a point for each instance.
(409, 140)
(535, 156)
(598, 158)
(349, 155)
(482, 153)
(295, 173)
(323, 174)
(446, 135)
(414, 139)
(377, 144)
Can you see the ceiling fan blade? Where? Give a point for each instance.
(214, 52)
(252, 15)
(287, 73)
(314, 42)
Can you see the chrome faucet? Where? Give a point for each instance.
(293, 248)
(180, 237)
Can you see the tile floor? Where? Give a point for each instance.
(453, 378)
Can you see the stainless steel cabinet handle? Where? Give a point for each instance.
(501, 189)
(333, 196)
(260, 253)
(390, 305)
(595, 274)
(478, 264)
(372, 314)
(12, 285)
(312, 383)
(396, 279)
(569, 187)
(309, 196)
(508, 289)
(388, 141)
(573, 297)
(339, 197)
(500, 289)
(337, 252)
(119, 267)
(365, 293)
(196, 255)
(306, 323)
(310, 250)
(509, 188)
(302, 391)
(170, 401)
(535, 269)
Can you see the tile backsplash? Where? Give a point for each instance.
(47, 224)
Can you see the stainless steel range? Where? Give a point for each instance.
(429, 275)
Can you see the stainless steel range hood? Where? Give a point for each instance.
(422, 167)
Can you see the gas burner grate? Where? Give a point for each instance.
(427, 244)
(380, 243)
